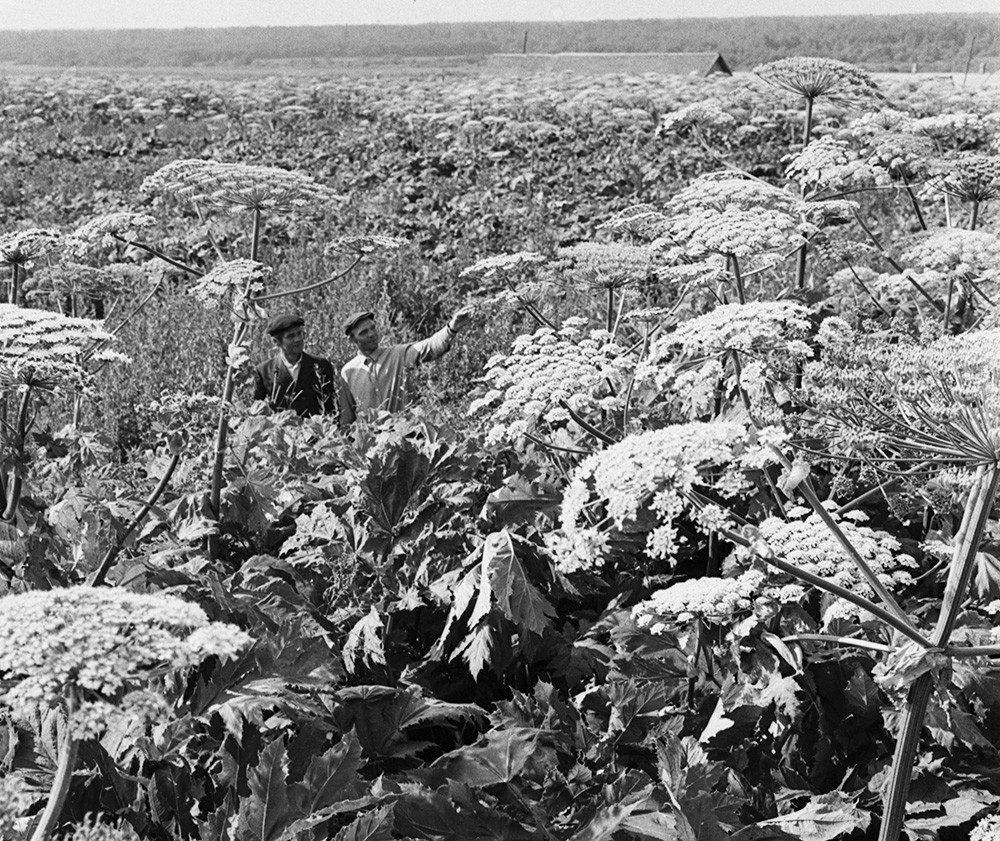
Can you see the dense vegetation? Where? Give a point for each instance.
(693, 536)
(878, 42)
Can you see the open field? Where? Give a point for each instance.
(692, 533)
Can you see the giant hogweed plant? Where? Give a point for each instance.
(910, 410)
(237, 287)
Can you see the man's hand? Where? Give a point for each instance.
(461, 318)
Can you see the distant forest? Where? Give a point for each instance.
(877, 42)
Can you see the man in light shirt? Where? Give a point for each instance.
(293, 379)
(376, 377)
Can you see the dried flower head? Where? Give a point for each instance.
(900, 401)
(20, 248)
(95, 645)
(239, 186)
(970, 177)
(813, 78)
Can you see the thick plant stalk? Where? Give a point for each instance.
(740, 291)
(12, 298)
(112, 553)
(14, 493)
(60, 784)
(229, 384)
(967, 542)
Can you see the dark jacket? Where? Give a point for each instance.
(314, 393)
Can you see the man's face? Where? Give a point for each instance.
(291, 342)
(365, 336)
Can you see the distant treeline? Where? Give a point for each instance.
(878, 42)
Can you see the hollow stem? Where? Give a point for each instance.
(60, 784)
(967, 541)
(308, 288)
(16, 481)
(109, 557)
(915, 203)
(177, 264)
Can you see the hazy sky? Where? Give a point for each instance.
(118, 14)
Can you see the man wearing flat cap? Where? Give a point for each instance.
(376, 377)
(293, 379)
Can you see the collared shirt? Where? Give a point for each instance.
(293, 370)
(379, 381)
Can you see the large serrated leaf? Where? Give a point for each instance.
(499, 759)
(516, 596)
(371, 826)
(825, 817)
(476, 647)
(264, 814)
(333, 776)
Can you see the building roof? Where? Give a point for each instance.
(679, 64)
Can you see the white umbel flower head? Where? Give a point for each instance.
(97, 644)
(239, 186)
(44, 348)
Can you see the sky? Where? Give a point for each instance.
(171, 14)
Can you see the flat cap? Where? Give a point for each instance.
(355, 319)
(285, 321)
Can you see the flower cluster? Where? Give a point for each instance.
(708, 114)
(891, 145)
(639, 220)
(687, 364)
(364, 244)
(242, 278)
(643, 484)
(20, 248)
(959, 130)
(15, 801)
(970, 177)
(988, 829)
(714, 600)
(808, 544)
(489, 266)
(721, 190)
(967, 254)
(831, 164)
(528, 387)
(54, 283)
(44, 348)
(765, 234)
(903, 401)
(607, 266)
(95, 645)
(812, 78)
(105, 228)
(239, 186)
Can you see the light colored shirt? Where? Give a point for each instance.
(293, 370)
(379, 381)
